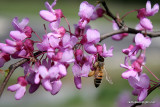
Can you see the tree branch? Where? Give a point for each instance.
(11, 70)
(131, 31)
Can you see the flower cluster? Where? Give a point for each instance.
(59, 48)
(135, 59)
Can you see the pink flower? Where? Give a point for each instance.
(128, 50)
(51, 77)
(86, 10)
(4, 57)
(20, 88)
(141, 41)
(151, 11)
(92, 37)
(104, 52)
(22, 31)
(59, 31)
(98, 12)
(146, 23)
(118, 36)
(79, 72)
(148, 11)
(51, 15)
(130, 72)
(140, 86)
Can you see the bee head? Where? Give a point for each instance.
(100, 58)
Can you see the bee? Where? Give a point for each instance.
(98, 72)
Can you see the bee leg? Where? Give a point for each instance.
(91, 73)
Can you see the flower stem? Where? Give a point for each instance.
(151, 72)
(127, 14)
(68, 24)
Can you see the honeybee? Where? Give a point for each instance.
(98, 72)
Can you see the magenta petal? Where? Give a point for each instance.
(148, 6)
(155, 9)
(2, 61)
(117, 37)
(62, 70)
(73, 40)
(146, 23)
(48, 16)
(17, 35)
(93, 36)
(33, 88)
(136, 92)
(44, 45)
(56, 86)
(37, 78)
(20, 93)
(54, 72)
(85, 70)
(76, 69)
(129, 73)
(107, 53)
(115, 27)
(54, 25)
(50, 53)
(143, 95)
(9, 49)
(86, 10)
(10, 42)
(139, 27)
(66, 39)
(90, 48)
(48, 6)
(43, 71)
(144, 81)
(132, 81)
(54, 42)
(20, 26)
(142, 41)
(77, 81)
(14, 87)
(67, 56)
(23, 23)
(47, 84)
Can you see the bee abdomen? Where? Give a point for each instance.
(97, 82)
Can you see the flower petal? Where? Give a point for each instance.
(33, 88)
(77, 81)
(14, 87)
(48, 16)
(47, 84)
(43, 71)
(56, 86)
(93, 36)
(17, 35)
(20, 93)
(9, 49)
(90, 48)
(129, 73)
(76, 69)
(62, 70)
(144, 81)
(146, 24)
(85, 69)
(143, 95)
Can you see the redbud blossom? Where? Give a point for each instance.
(140, 86)
(20, 88)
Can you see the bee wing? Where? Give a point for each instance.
(108, 78)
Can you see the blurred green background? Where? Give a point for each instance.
(104, 96)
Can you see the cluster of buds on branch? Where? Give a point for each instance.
(61, 47)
